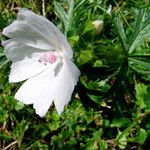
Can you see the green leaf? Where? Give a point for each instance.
(141, 136)
(3, 62)
(80, 5)
(89, 27)
(71, 4)
(2, 52)
(99, 63)
(66, 17)
(73, 40)
(19, 106)
(85, 57)
(140, 66)
(96, 99)
(120, 30)
(3, 59)
(3, 115)
(61, 13)
(103, 145)
(141, 90)
(122, 142)
(141, 29)
(120, 122)
(39, 145)
(147, 99)
(98, 134)
(104, 85)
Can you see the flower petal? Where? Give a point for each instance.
(42, 89)
(25, 69)
(38, 91)
(36, 31)
(66, 81)
(17, 51)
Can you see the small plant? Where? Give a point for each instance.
(110, 107)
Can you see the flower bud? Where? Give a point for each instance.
(98, 25)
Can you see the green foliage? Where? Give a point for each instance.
(85, 57)
(122, 142)
(66, 18)
(110, 108)
(142, 95)
(141, 29)
(119, 27)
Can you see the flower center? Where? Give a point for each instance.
(48, 58)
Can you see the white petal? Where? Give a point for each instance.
(25, 69)
(16, 51)
(42, 89)
(38, 91)
(74, 71)
(35, 31)
(66, 81)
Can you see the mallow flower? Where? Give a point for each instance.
(42, 57)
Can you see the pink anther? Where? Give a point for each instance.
(48, 58)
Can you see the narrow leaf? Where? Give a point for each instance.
(141, 30)
(71, 8)
(120, 30)
(140, 66)
(61, 13)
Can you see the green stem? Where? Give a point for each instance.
(133, 124)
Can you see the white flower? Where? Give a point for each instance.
(41, 55)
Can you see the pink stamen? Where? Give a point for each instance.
(48, 58)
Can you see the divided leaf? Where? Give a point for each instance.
(141, 29)
(61, 13)
(66, 17)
